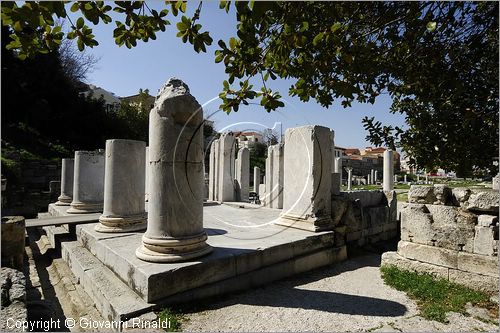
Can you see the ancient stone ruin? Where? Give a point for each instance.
(132, 224)
(452, 233)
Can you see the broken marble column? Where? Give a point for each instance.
(388, 184)
(405, 179)
(146, 173)
(395, 178)
(124, 187)
(349, 178)
(372, 176)
(226, 175)
(256, 179)
(376, 177)
(175, 213)
(276, 196)
(307, 178)
(88, 182)
(243, 174)
(67, 169)
(337, 173)
(368, 179)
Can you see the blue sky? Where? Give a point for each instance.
(124, 71)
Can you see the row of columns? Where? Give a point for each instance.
(228, 178)
(115, 181)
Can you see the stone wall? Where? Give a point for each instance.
(36, 185)
(13, 285)
(365, 217)
(451, 233)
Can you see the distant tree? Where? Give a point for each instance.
(260, 149)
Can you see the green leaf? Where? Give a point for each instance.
(431, 26)
(79, 23)
(318, 38)
(182, 26)
(80, 45)
(232, 43)
(336, 26)
(304, 27)
(75, 6)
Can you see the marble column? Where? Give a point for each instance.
(372, 176)
(349, 178)
(211, 162)
(337, 167)
(216, 169)
(276, 196)
(307, 178)
(388, 184)
(395, 179)
(146, 173)
(226, 168)
(243, 173)
(375, 177)
(175, 214)
(268, 178)
(405, 179)
(359, 181)
(256, 179)
(67, 169)
(124, 187)
(368, 179)
(88, 182)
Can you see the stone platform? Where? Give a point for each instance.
(249, 250)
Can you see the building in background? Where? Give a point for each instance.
(248, 139)
(111, 101)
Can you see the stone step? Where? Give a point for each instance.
(113, 298)
(117, 302)
(231, 257)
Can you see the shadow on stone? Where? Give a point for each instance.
(215, 231)
(333, 302)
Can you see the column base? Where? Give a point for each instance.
(84, 208)
(316, 224)
(173, 249)
(122, 224)
(63, 200)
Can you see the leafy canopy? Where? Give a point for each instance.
(437, 60)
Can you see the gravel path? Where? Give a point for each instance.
(349, 296)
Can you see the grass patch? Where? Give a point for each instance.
(173, 319)
(434, 296)
(402, 197)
